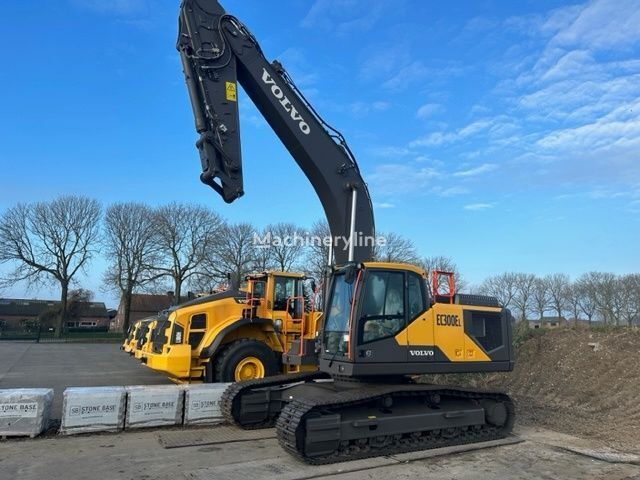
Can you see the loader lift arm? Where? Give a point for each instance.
(217, 51)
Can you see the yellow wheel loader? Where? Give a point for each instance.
(144, 342)
(237, 335)
(130, 345)
(127, 344)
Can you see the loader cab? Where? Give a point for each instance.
(384, 319)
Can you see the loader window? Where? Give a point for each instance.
(284, 288)
(382, 313)
(197, 329)
(199, 321)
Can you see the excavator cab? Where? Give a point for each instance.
(383, 319)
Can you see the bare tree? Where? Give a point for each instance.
(573, 301)
(557, 285)
(603, 288)
(525, 284)
(502, 286)
(50, 242)
(541, 298)
(77, 298)
(317, 256)
(445, 264)
(396, 249)
(234, 254)
(185, 236)
(131, 248)
(629, 298)
(286, 245)
(263, 255)
(587, 300)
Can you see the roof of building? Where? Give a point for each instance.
(32, 307)
(143, 302)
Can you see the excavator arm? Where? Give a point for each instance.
(217, 52)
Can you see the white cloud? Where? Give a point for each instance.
(441, 138)
(478, 206)
(360, 109)
(384, 205)
(400, 179)
(390, 151)
(575, 99)
(344, 16)
(452, 191)
(407, 76)
(603, 24)
(428, 109)
(301, 70)
(472, 172)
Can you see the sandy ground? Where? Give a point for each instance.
(140, 456)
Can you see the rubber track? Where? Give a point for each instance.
(292, 420)
(232, 395)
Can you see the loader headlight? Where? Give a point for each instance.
(277, 324)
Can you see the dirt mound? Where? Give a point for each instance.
(576, 381)
(581, 382)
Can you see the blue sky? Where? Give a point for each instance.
(503, 134)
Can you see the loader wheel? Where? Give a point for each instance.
(245, 360)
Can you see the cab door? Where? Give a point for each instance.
(420, 332)
(381, 317)
(288, 305)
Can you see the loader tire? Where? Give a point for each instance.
(245, 360)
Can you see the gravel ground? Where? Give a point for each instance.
(140, 456)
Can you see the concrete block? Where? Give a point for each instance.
(154, 406)
(202, 403)
(25, 411)
(93, 409)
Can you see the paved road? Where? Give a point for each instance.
(61, 365)
(140, 456)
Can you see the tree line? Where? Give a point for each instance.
(191, 247)
(175, 246)
(595, 296)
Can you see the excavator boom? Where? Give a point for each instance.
(217, 53)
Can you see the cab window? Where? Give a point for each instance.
(284, 288)
(415, 296)
(197, 329)
(383, 312)
(258, 288)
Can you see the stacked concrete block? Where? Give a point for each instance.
(93, 409)
(25, 411)
(202, 403)
(154, 406)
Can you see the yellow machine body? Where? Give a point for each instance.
(268, 313)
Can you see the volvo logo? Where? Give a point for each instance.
(285, 102)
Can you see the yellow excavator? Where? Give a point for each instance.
(383, 326)
(237, 335)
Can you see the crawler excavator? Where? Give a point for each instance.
(383, 325)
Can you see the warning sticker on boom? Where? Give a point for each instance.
(231, 91)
